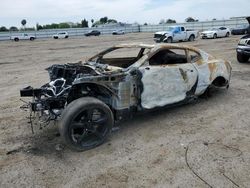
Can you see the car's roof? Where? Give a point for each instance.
(150, 46)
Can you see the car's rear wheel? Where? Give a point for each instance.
(215, 36)
(191, 38)
(227, 35)
(86, 123)
(16, 39)
(242, 58)
(66, 37)
(32, 38)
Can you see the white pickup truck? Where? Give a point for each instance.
(23, 36)
(175, 34)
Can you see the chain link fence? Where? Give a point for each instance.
(48, 33)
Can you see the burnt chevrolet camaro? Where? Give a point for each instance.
(87, 97)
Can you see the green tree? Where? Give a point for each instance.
(38, 27)
(112, 21)
(104, 20)
(84, 23)
(64, 25)
(190, 19)
(170, 21)
(3, 29)
(13, 28)
(53, 26)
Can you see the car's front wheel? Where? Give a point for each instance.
(215, 36)
(242, 58)
(86, 123)
(169, 40)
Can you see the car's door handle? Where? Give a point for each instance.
(147, 68)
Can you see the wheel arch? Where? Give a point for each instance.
(219, 81)
(90, 89)
(167, 37)
(192, 35)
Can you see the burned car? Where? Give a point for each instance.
(89, 96)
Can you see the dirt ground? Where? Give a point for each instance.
(209, 138)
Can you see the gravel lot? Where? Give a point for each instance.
(209, 138)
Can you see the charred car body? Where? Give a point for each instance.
(88, 97)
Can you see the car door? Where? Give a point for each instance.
(179, 34)
(222, 31)
(25, 36)
(167, 83)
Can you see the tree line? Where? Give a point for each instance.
(82, 24)
(168, 21)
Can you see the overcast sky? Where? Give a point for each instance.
(141, 11)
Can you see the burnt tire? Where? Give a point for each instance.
(86, 123)
(242, 58)
(191, 38)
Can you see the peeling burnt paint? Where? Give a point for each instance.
(183, 74)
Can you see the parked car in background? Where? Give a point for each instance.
(23, 36)
(214, 33)
(175, 34)
(242, 29)
(118, 32)
(243, 49)
(92, 33)
(89, 97)
(61, 35)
